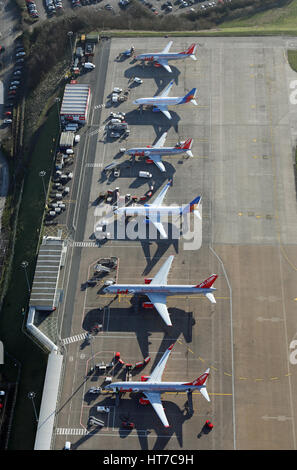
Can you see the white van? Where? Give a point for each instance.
(67, 445)
(89, 65)
(144, 174)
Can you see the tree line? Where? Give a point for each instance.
(48, 41)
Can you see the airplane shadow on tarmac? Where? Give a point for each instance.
(141, 321)
(153, 118)
(144, 419)
(162, 79)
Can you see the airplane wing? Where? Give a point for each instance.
(159, 226)
(162, 274)
(167, 89)
(158, 162)
(157, 373)
(164, 110)
(164, 64)
(161, 141)
(159, 199)
(155, 400)
(159, 301)
(166, 49)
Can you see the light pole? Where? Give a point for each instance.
(70, 34)
(58, 108)
(42, 174)
(24, 265)
(31, 395)
(91, 341)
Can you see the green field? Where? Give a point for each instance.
(275, 21)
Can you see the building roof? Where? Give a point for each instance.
(66, 139)
(44, 288)
(75, 99)
(48, 405)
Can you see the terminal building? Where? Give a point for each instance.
(75, 103)
(44, 301)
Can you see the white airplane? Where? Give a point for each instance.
(152, 387)
(161, 102)
(157, 290)
(160, 59)
(156, 151)
(153, 212)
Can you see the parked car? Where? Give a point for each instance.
(137, 80)
(108, 7)
(7, 121)
(20, 54)
(95, 390)
(2, 49)
(103, 409)
(15, 82)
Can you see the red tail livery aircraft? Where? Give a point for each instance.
(152, 387)
(160, 59)
(157, 289)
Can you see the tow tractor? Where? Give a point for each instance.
(128, 52)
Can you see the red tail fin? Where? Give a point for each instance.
(208, 282)
(201, 379)
(187, 144)
(191, 49)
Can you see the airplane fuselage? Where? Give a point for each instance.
(148, 211)
(151, 57)
(160, 387)
(150, 289)
(147, 151)
(159, 101)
